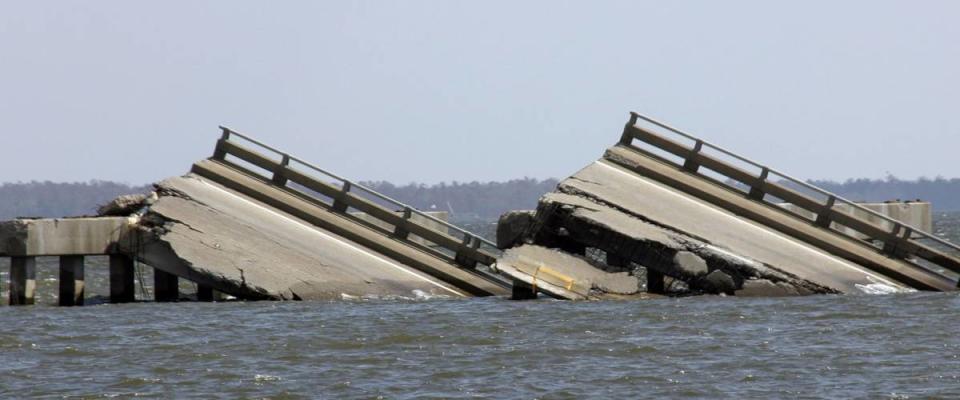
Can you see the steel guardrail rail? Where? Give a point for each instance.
(227, 133)
(634, 116)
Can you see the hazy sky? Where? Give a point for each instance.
(444, 90)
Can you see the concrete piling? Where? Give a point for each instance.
(523, 291)
(71, 280)
(655, 282)
(122, 283)
(23, 280)
(205, 293)
(166, 286)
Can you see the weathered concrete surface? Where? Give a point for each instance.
(512, 226)
(563, 216)
(211, 235)
(430, 262)
(62, 236)
(776, 219)
(642, 223)
(564, 275)
(643, 199)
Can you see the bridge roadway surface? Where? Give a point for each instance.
(222, 238)
(668, 207)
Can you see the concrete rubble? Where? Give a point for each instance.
(124, 205)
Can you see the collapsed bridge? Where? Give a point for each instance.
(662, 212)
(664, 204)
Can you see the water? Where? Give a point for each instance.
(893, 346)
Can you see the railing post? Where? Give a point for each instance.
(756, 191)
(461, 257)
(890, 243)
(692, 164)
(400, 230)
(219, 153)
(340, 203)
(279, 175)
(627, 138)
(823, 217)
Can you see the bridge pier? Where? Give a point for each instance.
(122, 283)
(523, 291)
(166, 286)
(655, 282)
(23, 280)
(205, 293)
(71, 281)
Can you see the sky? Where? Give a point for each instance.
(431, 91)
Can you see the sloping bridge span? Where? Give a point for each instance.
(387, 229)
(752, 191)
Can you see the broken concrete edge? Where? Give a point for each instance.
(126, 204)
(513, 226)
(146, 246)
(725, 273)
(145, 243)
(579, 277)
(545, 287)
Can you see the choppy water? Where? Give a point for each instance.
(894, 346)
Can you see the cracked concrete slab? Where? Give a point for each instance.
(661, 205)
(206, 233)
(575, 276)
(640, 223)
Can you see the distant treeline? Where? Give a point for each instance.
(467, 202)
(943, 193)
(470, 201)
(50, 199)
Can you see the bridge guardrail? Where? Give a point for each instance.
(343, 194)
(898, 241)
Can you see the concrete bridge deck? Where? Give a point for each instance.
(653, 203)
(231, 228)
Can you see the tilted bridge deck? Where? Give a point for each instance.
(723, 178)
(454, 255)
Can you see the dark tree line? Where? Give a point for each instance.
(943, 193)
(50, 199)
(468, 202)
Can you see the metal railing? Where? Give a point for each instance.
(761, 185)
(470, 240)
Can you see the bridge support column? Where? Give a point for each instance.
(71, 281)
(23, 280)
(205, 293)
(166, 286)
(522, 291)
(655, 282)
(122, 284)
